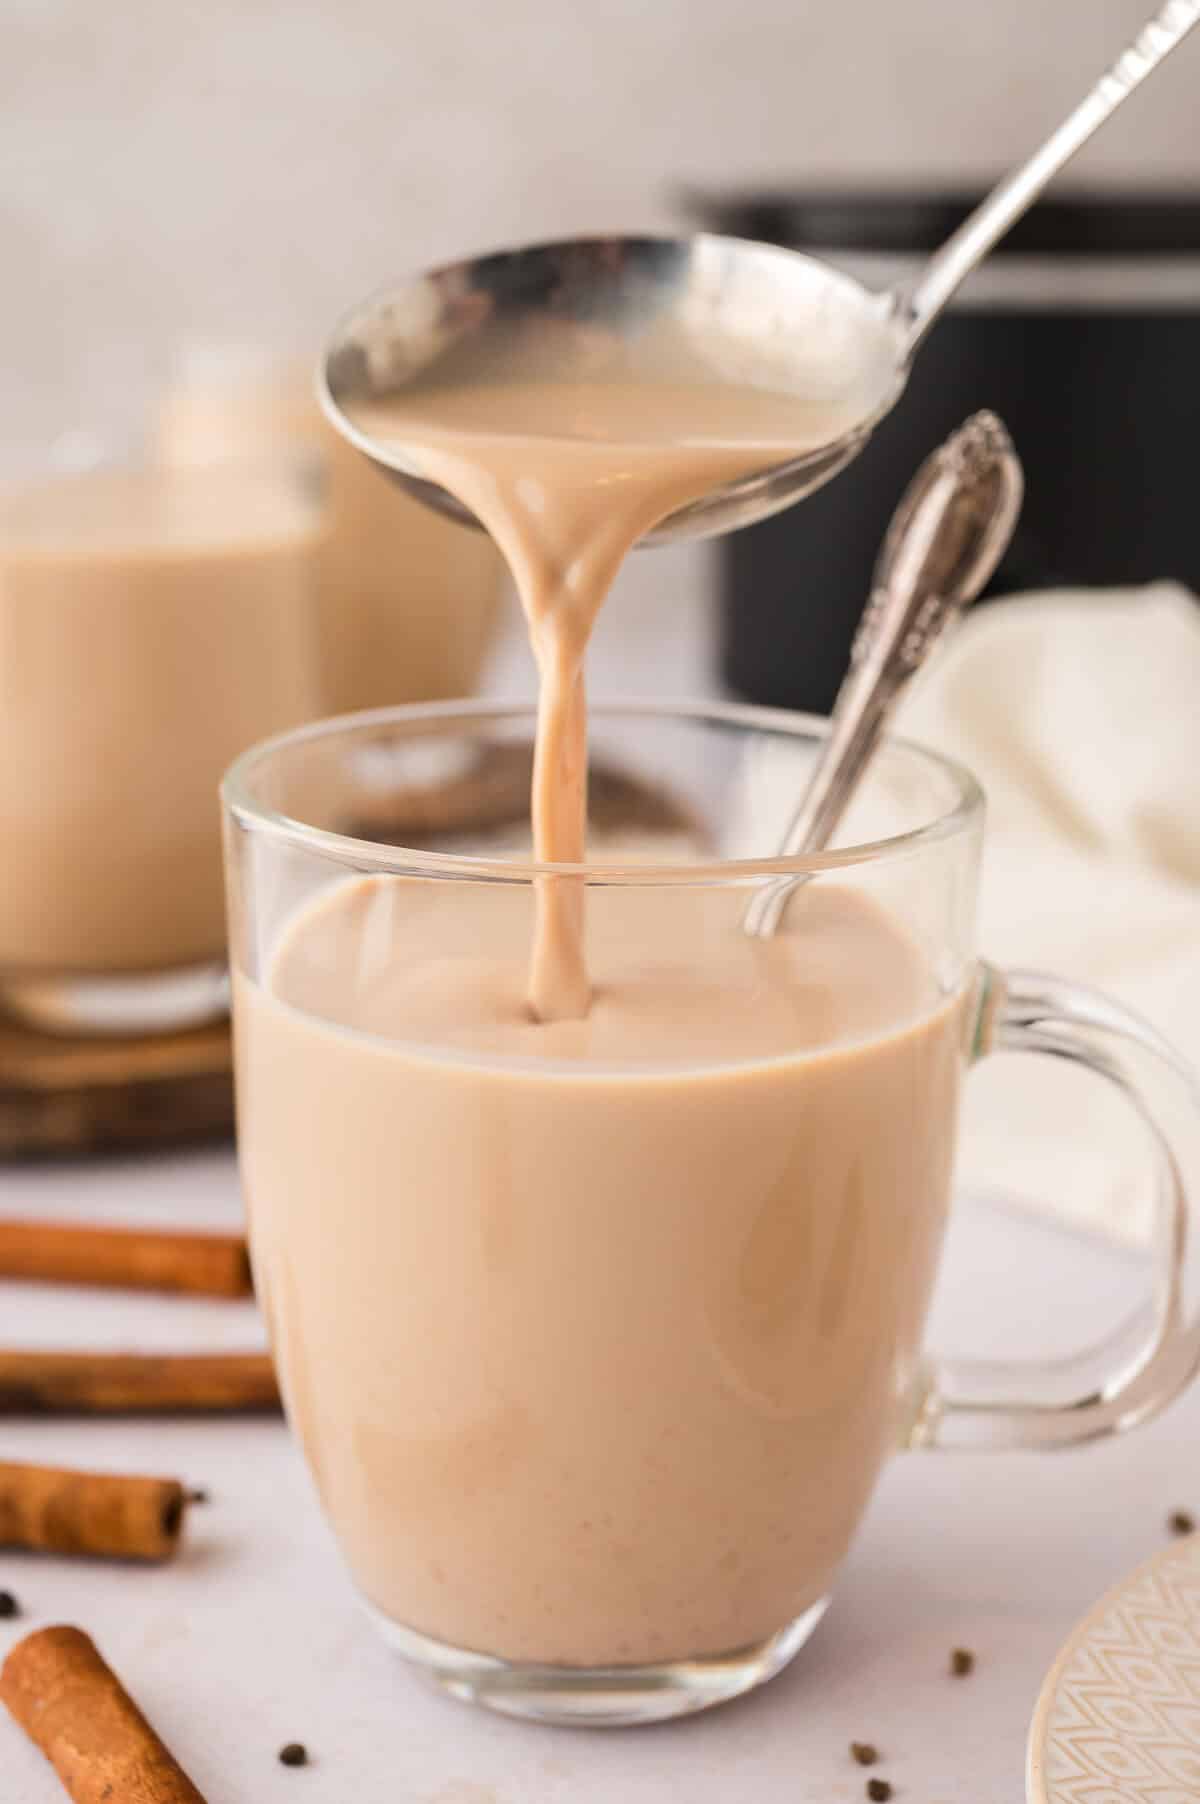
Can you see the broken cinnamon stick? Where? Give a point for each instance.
(53, 1510)
(75, 1709)
(134, 1383)
(208, 1265)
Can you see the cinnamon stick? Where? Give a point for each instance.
(54, 1510)
(209, 1265)
(134, 1383)
(75, 1709)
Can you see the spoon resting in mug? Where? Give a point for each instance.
(945, 539)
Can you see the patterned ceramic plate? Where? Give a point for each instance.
(1118, 1721)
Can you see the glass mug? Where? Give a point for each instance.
(407, 603)
(153, 624)
(596, 1357)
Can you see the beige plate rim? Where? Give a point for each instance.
(1037, 1786)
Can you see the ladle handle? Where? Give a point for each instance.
(918, 303)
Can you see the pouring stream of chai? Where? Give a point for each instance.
(567, 477)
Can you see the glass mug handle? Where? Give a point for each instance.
(979, 1405)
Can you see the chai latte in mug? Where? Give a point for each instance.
(152, 625)
(407, 602)
(596, 1254)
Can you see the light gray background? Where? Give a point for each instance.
(245, 168)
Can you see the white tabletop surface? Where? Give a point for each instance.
(252, 1637)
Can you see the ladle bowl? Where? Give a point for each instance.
(666, 310)
(705, 308)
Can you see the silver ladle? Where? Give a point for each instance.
(709, 308)
(944, 541)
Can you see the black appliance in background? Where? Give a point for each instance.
(1082, 331)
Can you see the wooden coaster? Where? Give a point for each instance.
(61, 1095)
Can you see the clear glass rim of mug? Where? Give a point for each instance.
(237, 794)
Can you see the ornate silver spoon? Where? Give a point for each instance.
(944, 541)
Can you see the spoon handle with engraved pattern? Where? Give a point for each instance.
(945, 539)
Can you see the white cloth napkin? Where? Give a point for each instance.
(1080, 714)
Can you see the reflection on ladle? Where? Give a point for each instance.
(702, 310)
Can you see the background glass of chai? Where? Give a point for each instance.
(152, 625)
(407, 601)
(598, 1333)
